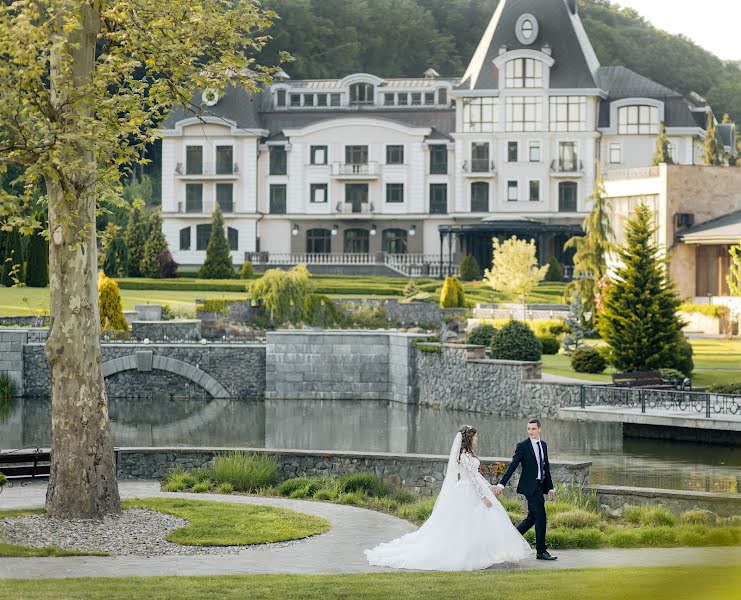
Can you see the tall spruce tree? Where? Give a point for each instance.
(13, 266)
(135, 238)
(218, 263)
(37, 259)
(712, 151)
(591, 249)
(155, 244)
(640, 322)
(116, 261)
(662, 153)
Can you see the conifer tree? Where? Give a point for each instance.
(154, 246)
(662, 154)
(37, 260)
(135, 238)
(12, 267)
(712, 151)
(116, 261)
(109, 303)
(640, 322)
(218, 263)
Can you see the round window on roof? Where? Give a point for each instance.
(527, 29)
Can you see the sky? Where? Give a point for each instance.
(692, 19)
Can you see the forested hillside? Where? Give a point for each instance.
(397, 38)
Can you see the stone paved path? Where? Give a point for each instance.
(338, 551)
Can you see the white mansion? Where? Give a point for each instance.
(372, 173)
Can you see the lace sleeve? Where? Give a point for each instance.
(469, 470)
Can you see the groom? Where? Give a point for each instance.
(535, 481)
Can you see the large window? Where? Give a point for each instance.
(193, 160)
(356, 155)
(193, 197)
(278, 199)
(633, 120)
(480, 196)
(318, 193)
(513, 151)
(395, 193)
(232, 236)
(567, 157)
(524, 113)
(513, 191)
(438, 159)
(361, 93)
(394, 241)
(439, 198)
(278, 160)
(523, 73)
(568, 113)
(534, 190)
(567, 191)
(357, 241)
(480, 157)
(318, 241)
(203, 234)
(185, 238)
(395, 155)
(224, 160)
(318, 155)
(225, 197)
(480, 115)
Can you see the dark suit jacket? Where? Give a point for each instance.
(525, 455)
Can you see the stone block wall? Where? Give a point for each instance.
(420, 473)
(405, 314)
(677, 501)
(159, 331)
(11, 355)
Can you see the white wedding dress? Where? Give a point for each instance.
(461, 534)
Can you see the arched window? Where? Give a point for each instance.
(357, 241)
(636, 120)
(361, 93)
(395, 241)
(523, 73)
(480, 196)
(567, 196)
(318, 241)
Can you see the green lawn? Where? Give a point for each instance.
(677, 583)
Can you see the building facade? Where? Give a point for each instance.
(409, 175)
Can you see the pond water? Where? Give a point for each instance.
(379, 426)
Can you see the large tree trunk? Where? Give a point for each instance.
(83, 475)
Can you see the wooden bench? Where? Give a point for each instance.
(641, 379)
(25, 463)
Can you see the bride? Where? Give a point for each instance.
(468, 528)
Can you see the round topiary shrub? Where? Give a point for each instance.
(515, 341)
(550, 344)
(588, 360)
(481, 335)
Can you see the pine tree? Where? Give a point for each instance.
(470, 269)
(135, 238)
(218, 263)
(662, 154)
(116, 261)
(640, 322)
(13, 264)
(590, 258)
(155, 244)
(712, 151)
(578, 331)
(37, 260)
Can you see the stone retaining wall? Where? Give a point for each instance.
(160, 331)
(420, 473)
(678, 501)
(405, 314)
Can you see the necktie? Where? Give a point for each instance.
(541, 466)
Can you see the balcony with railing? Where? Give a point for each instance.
(201, 208)
(354, 208)
(356, 171)
(570, 167)
(207, 170)
(479, 167)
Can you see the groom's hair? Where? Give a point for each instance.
(536, 422)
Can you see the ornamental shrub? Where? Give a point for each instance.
(515, 341)
(588, 360)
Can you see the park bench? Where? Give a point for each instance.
(642, 379)
(25, 463)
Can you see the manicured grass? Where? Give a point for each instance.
(718, 354)
(677, 583)
(229, 524)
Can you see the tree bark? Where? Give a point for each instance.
(82, 483)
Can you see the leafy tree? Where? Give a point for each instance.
(155, 245)
(283, 293)
(662, 154)
(37, 259)
(591, 249)
(713, 151)
(83, 88)
(218, 263)
(640, 322)
(116, 261)
(470, 269)
(514, 269)
(135, 238)
(109, 305)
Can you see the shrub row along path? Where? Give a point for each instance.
(338, 551)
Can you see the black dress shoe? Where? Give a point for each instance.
(545, 556)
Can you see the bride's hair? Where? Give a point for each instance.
(467, 434)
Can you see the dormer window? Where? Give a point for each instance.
(526, 29)
(361, 93)
(523, 73)
(637, 120)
